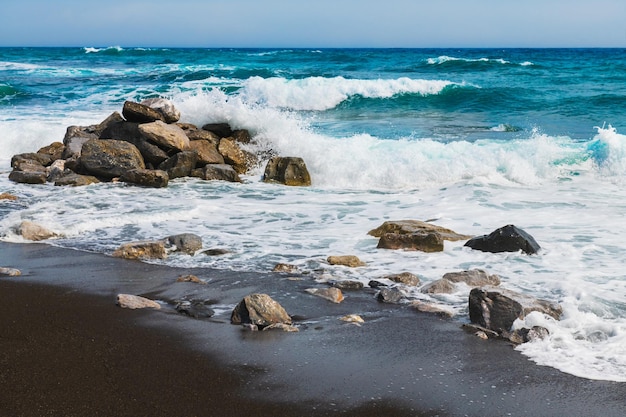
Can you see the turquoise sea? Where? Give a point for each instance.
(473, 139)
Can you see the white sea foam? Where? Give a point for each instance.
(444, 58)
(566, 193)
(320, 93)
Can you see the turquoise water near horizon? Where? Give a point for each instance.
(472, 138)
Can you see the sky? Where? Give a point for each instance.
(314, 23)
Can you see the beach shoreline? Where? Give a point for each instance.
(67, 349)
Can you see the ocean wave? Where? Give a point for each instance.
(445, 59)
(92, 50)
(320, 93)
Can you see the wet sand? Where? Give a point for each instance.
(67, 349)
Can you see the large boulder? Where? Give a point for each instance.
(416, 226)
(496, 308)
(425, 242)
(110, 158)
(164, 135)
(260, 310)
(505, 239)
(288, 171)
(169, 113)
(154, 178)
(473, 278)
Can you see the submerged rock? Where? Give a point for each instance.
(505, 239)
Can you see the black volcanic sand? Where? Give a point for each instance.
(66, 349)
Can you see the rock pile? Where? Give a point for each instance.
(145, 145)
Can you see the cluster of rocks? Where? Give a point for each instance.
(146, 145)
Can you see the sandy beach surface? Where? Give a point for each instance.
(66, 349)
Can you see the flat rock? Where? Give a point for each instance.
(217, 172)
(75, 180)
(351, 261)
(440, 286)
(164, 135)
(154, 178)
(29, 177)
(405, 278)
(425, 242)
(136, 302)
(141, 250)
(331, 294)
(473, 278)
(416, 226)
(431, 308)
(10, 272)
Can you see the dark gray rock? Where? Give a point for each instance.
(110, 158)
(28, 177)
(496, 308)
(390, 295)
(223, 130)
(75, 180)
(185, 242)
(195, 309)
(222, 172)
(146, 177)
(505, 239)
(180, 164)
(140, 113)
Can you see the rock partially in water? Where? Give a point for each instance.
(146, 249)
(188, 243)
(136, 302)
(287, 170)
(405, 278)
(281, 267)
(391, 295)
(331, 294)
(195, 309)
(260, 310)
(347, 284)
(110, 158)
(407, 227)
(351, 261)
(425, 242)
(473, 278)
(190, 278)
(440, 286)
(35, 232)
(496, 308)
(505, 239)
(10, 272)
